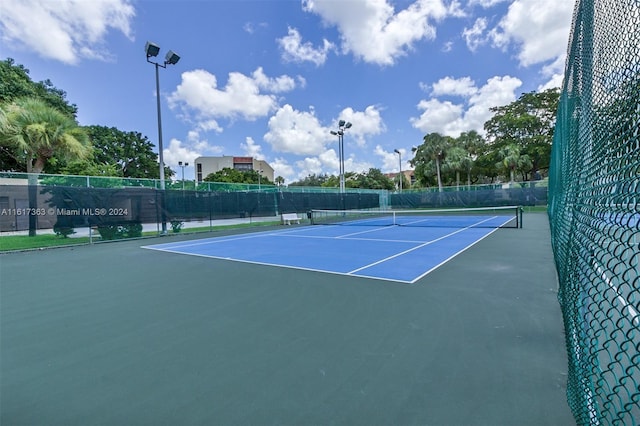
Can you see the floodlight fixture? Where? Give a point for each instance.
(151, 49)
(172, 58)
(400, 176)
(342, 126)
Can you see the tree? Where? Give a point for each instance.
(432, 151)
(33, 133)
(398, 178)
(528, 123)
(312, 180)
(513, 160)
(473, 144)
(130, 152)
(15, 83)
(229, 175)
(279, 181)
(372, 179)
(458, 160)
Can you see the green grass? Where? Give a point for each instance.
(24, 242)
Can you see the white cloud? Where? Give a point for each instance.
(64, 30)
(252, 28)
(451, 86)
(390, 159)
(176, 152)
(282, 168)
(296, 51)
(524, 23)
(374, 32)
(522, 26)
(365, 123)
(246, 97)
(451, 119)
(251, 149)
(296, 132)
(486, 3)
(301, 133)
(474, 36)
(284, 83)
(313, 166)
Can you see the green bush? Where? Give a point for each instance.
(126, 230)
(176, 225)
(63, 227)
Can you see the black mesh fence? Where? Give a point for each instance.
(64, 207)
(527, 194)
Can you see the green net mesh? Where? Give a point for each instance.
(594, 209)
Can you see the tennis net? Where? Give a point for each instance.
(480, 217)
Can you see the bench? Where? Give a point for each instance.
(289, 218)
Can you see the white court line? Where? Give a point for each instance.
(416, 248)
(635, 316)
(342, 237)
(173, 248)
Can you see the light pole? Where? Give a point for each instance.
(342, 126)
(400, 161)
(152, 50)
(183, 165)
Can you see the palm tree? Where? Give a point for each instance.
(513, 160)
(457, 161)
(36, 132)
(472, 142)
(434, 148)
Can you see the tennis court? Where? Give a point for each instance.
(370, 244)
(115, 334)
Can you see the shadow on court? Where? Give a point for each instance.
(112, 334)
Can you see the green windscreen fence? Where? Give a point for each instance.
(594, 210)
(109, 209)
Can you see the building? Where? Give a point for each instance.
(409, 176)
(204, 166)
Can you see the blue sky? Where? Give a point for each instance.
(271, 78)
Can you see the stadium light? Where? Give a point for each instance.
(400, 161)
(342, 126)
(152, 50)
(183, 165)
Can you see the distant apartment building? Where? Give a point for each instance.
(206, 165)
(409, 176)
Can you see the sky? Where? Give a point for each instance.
(272, 78)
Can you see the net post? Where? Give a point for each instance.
(519, 211)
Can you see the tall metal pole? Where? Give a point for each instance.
(160, 149)
(341, 148)
(400, 177)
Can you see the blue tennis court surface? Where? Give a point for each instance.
(395, 253)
